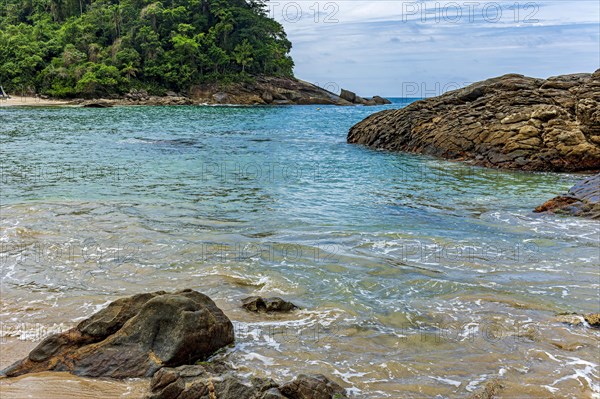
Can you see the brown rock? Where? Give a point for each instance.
(216, 380)
(265, 90)
(221, 98)
(583, 199)
(348, 95)
(489, 391)
(314, 386)
(572, 319)
(267, 97)
(555, 204)
(259, 304)
(134, 337)
(511, 122)
(593, 319)
(380, 100)
(97, 104)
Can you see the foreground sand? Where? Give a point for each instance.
(53, 385)
(18, 101)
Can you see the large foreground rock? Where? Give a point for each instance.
(513, 122)
(135, 337)
(215, 380)
(583, 199)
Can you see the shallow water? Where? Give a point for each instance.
(418, 277)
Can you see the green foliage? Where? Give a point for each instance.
(90, 48)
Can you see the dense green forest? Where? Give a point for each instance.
(67, 48)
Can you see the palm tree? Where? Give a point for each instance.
(129, 70)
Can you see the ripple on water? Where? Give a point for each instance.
(417, 277)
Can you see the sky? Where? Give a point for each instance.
(424, 48)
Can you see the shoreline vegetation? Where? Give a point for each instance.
(97, 49)
(141, 53)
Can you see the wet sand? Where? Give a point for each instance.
(52, 385)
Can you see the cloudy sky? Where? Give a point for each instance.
(422, 48)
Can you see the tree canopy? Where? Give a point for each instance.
(67, 48)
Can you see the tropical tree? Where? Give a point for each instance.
(243, 54)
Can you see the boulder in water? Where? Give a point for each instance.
(135, 337)
(260, 304)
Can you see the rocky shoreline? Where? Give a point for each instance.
(170, 338)
(509, 122)
(262, 91)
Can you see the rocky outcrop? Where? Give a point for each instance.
(261, 91)
(348, 95)
(274, 91)
(260, 304)
(583, 199)
(265, 91)
(351, 97)
(216, 380)
(135, 337)
(380, 100)
(512, 122)
(138, 97)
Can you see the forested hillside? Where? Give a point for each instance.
(68, 48)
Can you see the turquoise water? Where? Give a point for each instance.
(380, 249)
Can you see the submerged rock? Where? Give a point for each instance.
(314, 386)
(135, 337)
(512, 122)
(574, 319)
(583, 199)
(260, 304)
(593, 319)
(215, 380)
(489, 391)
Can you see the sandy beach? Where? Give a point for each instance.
(20, 101)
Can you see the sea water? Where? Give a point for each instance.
(417, 277)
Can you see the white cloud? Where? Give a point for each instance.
(379, 46)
